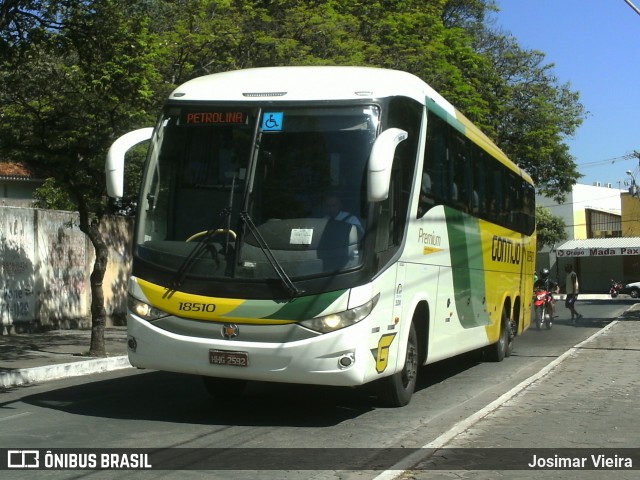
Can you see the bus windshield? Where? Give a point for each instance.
(229, 192)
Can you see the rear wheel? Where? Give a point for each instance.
(634, 293)
(504, 346)
(396, 390)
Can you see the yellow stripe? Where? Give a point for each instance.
(199, 307)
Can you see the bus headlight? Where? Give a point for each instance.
(144, 310)
(336, 321)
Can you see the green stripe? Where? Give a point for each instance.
(301, 308)
(465, 245)
(444, 115)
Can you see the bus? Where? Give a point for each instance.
(334, 226)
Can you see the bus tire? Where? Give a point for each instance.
(504, 346)
(224, 388)
(396, 390)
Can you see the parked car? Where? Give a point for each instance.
(631, 289)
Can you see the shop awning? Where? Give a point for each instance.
(599, 247)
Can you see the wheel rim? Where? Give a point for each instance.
(504, 336)
(410, 370)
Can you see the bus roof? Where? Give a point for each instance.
(319, 83)
(307, 83)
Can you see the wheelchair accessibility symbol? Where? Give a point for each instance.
(272, 121)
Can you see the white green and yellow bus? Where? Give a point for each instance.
(322, 225)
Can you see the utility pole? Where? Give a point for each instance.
(633, 190)
(635, 9)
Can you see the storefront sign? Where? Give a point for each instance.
(598, 252)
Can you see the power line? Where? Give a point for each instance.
(595, 163)
(635, 9)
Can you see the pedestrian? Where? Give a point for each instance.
(572, 293)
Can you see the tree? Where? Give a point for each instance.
(511, 93)
(551, 230)
(66, 94)
(531, 114)
(76, 74)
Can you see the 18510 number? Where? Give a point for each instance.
(197, 307)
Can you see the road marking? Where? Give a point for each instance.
(441, 441)
(17, 415)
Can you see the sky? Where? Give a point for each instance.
(595, 47)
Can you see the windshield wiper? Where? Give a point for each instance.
(286, 280)
(203, 242)
(201, 247)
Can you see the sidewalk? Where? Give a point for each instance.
(585, 402)
(37, 357)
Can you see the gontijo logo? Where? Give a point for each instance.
(506, 251)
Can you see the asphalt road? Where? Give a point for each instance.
(137, 409)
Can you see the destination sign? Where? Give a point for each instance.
(214, 117)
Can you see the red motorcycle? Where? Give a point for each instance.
(544, 306)
(616, 288)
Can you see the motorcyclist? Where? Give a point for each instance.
(545, 283)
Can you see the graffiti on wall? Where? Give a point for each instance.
(17, 273)
(62, 268)
(45, 265)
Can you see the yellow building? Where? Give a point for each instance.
(630, 206)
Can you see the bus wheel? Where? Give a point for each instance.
(396, 390)
(224, 388)
(504, 346)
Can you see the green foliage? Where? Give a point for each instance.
(50, 196)
(66, 96)
(531, 114)
(76, 74)
(550, 229)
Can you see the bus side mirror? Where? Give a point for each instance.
(381, 162)
(114, 166)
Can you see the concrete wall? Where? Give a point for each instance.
(45, 264)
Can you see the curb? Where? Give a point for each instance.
(23, 376)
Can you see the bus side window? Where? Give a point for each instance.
(478, 198)
(435, 186)
(405, 114)
(462, 174)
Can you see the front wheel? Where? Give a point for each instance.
(396, 390)
(634, 293)
(613, 293)
(548, 317)
(539, 319)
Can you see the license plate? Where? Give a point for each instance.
(225, 357)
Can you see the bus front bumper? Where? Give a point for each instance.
(340, 358)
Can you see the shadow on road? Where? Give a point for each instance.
(177, 398)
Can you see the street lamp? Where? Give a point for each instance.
(633, 189)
